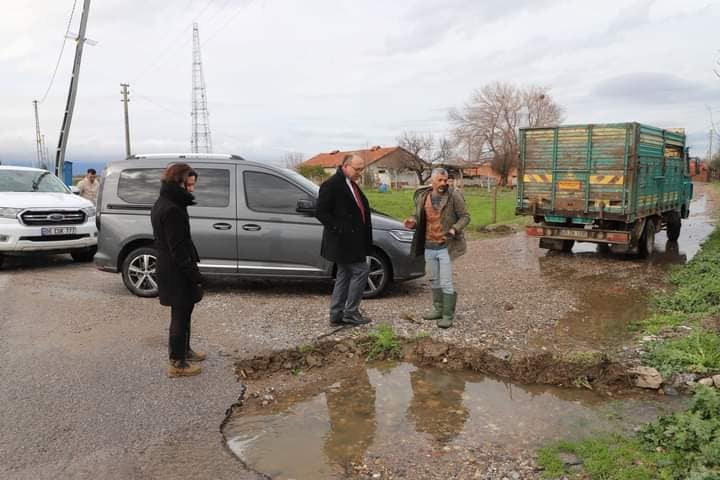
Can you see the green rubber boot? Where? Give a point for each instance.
(449, 301)
(436, 312)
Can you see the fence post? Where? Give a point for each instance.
(493, 218)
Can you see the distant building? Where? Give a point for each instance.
(383, 165)
(481, 174)
(699, 171)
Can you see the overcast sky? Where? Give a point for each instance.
(313, 76)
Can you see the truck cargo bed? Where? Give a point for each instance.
(618, 172)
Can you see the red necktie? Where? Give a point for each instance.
(357, 199)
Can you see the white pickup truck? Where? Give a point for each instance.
(40, 215)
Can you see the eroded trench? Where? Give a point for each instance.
(437, 410)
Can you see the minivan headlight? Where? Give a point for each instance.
(89, 211)
(7, 212)
(405, 236)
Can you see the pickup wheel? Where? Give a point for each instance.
(647, 240)
(674, 223)
(139, 272)
(2, 259)
(85, 255)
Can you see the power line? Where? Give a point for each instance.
(227, 22)
(183, 116)
(62, 48)
(172, 45)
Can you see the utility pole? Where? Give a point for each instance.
(70, 105)
(125, 101)
(45, 153)
(709, 157)
(38, 138)
(200, 141)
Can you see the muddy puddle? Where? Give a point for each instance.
(612, 290)
(400, 414)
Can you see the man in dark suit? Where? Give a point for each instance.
(347, 238)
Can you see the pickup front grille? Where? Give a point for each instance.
(52, 217)
(55, 238)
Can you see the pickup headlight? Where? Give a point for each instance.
(405, 236)
(7, 212)
(89, 211)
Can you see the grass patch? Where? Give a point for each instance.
(698, 352)
(696, 292)
(584, 357)
(307, 348)
(683, 445)
(695, 296)
(383, 341)
(399, 205)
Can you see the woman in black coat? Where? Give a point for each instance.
(178, 277)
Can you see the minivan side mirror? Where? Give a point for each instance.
(306, 205)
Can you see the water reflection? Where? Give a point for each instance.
(351, 410)
(437, 403)
(392, 409)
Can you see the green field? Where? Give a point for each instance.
(399, 204)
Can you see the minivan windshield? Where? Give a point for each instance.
(307, 184)
(30, 181)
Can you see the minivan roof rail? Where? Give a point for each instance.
(218, 156)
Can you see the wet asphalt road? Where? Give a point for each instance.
(83, 391)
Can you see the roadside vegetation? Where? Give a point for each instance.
(683, 445)
(691, 310)
(383, 342)
(399, 205)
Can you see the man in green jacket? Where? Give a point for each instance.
(439, 220)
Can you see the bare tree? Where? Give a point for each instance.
(293, 160)
(421, 148)
(444, 152)
(488, 123)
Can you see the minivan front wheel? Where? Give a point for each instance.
(139, 272)
(379, 275)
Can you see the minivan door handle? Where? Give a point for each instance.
(251, 227)
(222, 226)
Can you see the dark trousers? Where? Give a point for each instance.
(350, 282)
(179, 342)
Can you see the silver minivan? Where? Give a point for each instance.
(251, 220)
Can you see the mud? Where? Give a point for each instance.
(393, 420)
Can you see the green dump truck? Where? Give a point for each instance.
(611, 184)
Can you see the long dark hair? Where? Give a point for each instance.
(178, 173)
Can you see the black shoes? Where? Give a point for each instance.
(355, 319)
(348, 319)
(336, 320)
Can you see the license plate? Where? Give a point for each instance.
(573, 233)
(570, 185)
(46, 231)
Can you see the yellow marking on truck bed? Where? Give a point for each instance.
(537, 178)
(607, 179)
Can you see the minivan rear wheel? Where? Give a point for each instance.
(139, 272)
(379, 275)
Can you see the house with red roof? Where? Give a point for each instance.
(386, 165)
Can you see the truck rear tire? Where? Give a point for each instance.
(567, 246)
(647, 240)
(674, 223)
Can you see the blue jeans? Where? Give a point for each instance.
(440, 267)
